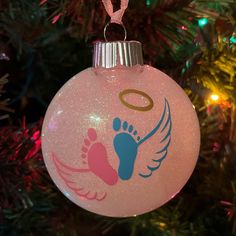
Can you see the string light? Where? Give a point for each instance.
(233, 39)
(148, 2)
(56, 18)
(218, 99)
(215, 97)
(202, 22)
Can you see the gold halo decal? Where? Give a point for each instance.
(137, 108)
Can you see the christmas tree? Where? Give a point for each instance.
(44, 43)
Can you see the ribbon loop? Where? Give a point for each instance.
(116, 17)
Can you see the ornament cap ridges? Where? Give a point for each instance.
(112, 54)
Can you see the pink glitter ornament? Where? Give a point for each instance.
(121, 138)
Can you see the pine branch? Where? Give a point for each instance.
(4, 103)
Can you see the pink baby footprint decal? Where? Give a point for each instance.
(97, 159)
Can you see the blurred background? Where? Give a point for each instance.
(43, 43)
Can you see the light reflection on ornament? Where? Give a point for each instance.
(52, 126)
(95, 118)
(59, 112)
(174, 194)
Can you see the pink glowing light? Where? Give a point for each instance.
(56, 18)
(42, 2)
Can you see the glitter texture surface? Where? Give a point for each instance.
(101, 172)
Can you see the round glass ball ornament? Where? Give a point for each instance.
(121, 138)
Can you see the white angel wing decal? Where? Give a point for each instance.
(73, 178)
(163, 133)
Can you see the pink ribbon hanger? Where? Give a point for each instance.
(116, 17)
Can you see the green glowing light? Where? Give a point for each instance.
(202, 22)
(148, 2)
(233, 39)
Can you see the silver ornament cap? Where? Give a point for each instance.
(112, 54)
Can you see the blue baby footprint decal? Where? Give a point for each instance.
(126, 147)
(126, 143)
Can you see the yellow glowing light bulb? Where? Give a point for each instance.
(215, 97)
